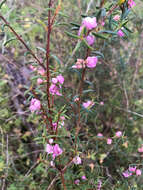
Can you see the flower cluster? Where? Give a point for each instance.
(35, 105)
(130, 171)
(131, 3)
(109, 140)
(88, 23)
(56, 85)
(88, 104)
(61, 123)
(77, 160)
(90, 62)
(55, 150)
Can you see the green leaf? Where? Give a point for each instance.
(2, 3)
(72, 35)
(87, 91)
(99, 36)
(99, 54)
(108, 32)
(9, 40)
(85, 42)
(42, 49)
(56, 58)
(74, 24)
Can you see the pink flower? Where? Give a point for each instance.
(109, 141)
(118, 134)
(79, 64)
(88, 104)
(138, 172)
(90, 39)
(52, 163)
(80, 30)
(120, 33)
(83, 177)
(32, 68)
(54, 80)
(116, 17)
(131, 3)
(49, 149)
(102, 23)
(54, 90)
(140, 149)
(60, 78)
(34, 105)
(76, 99)
(54, 126)
(91, 62)
(99, 135)
(127, 174)
(51, 141)
(39, 81)
(56, 151)
(99, 185)
(101, 103)
(77, 181)
(89, 23)
(41, 71)
(77, 160)
(132, 169)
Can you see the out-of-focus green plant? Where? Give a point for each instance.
(98, 140)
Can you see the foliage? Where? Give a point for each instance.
(111, 93)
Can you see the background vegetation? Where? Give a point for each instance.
(117, 81)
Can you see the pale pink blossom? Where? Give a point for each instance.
(77, 160)
(56, 151)
(88, 104)
(62, 118)
(99, 135)
(99, 185)
(131, 3)
(140, 149)
(132, 169)
(32, 68)
(60, 79)
(39, 81)
(116, 17)
(90, 39)
(91, 62)
(54, 90)
(41, 71)
(118, 134)
(54, 80)
(79, 64)
(55, 126)
(101, 103)
(34, 105)
(120, 33)
(76, 99)
(52, 163)
(49, 149)
(127, 174)
(77, 181)
(138, 172)
(51, 141)
(102, 23)
(89, 23)
(109, 141)
(83, 177)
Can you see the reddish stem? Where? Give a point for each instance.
(48, 62)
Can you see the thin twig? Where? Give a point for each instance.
(22, 41)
